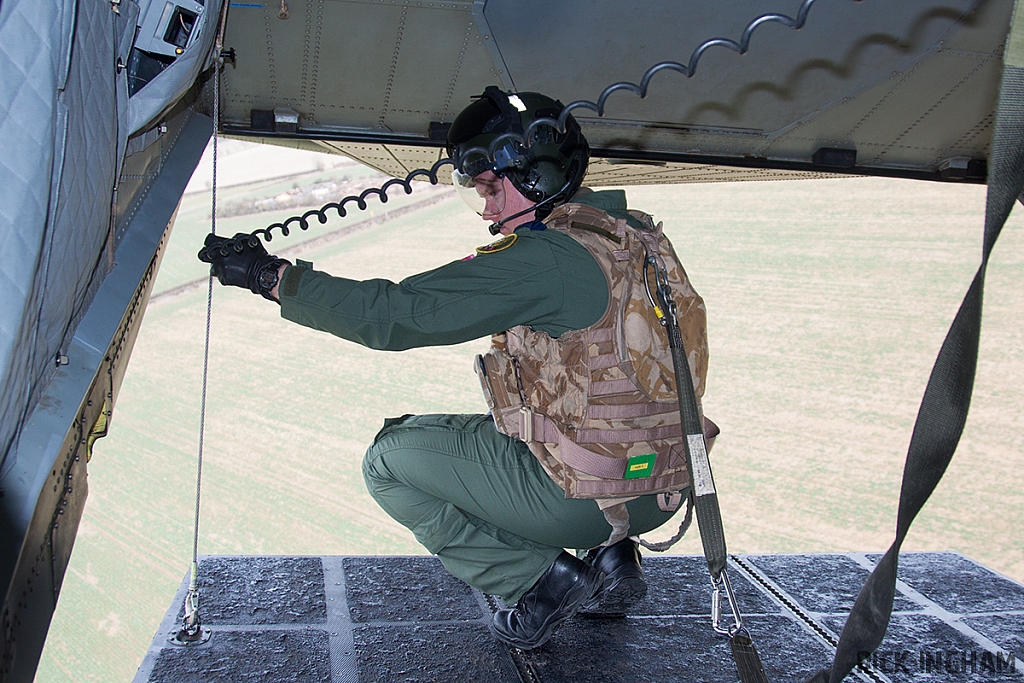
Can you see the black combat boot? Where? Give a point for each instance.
(556, 596)
(624, 584)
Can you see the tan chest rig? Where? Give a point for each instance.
(598, 407)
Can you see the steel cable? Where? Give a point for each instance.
(191, 625)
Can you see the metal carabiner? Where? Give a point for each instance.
(190, 619)
(716, 605)
(191, 626)
(648, 262)
(667, 304)
(665, 291)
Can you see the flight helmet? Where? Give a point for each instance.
(548, 171)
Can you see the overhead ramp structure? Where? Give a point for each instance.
(898, 89)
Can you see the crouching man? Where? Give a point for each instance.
(582, 448)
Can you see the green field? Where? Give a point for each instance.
(827, 301)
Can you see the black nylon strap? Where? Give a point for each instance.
(943, 412)
(709, 515)
(748, 663)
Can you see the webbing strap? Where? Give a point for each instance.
(580, 458)
(543, 428)
(629, 410)
(705, 497)
(611, 387)
(604, 361)
(943, 411)
(670, 431)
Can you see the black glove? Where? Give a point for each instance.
(241, 264)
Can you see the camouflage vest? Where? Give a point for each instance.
(598, 406)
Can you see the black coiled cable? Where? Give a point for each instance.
(523, 139)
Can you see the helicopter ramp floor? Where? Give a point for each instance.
(381, 619)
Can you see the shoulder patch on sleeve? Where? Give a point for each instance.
(498, 245)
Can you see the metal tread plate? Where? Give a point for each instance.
(379, 619)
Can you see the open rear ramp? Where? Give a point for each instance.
(381, 619)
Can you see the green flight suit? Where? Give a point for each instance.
(476, 498)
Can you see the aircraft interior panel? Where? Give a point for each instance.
(337, 81)
(615, 172)
(819, 87)
(420, 157)
(393, 160)
(953, 96)
(787, 74)
(399, 160)
(909, 87)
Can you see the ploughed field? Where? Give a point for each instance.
(827, 303)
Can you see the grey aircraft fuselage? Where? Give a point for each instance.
(108, 107)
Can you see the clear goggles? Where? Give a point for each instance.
(484, 192)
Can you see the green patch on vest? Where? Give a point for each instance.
(640, 466)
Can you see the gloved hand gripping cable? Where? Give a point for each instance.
(242, 261)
